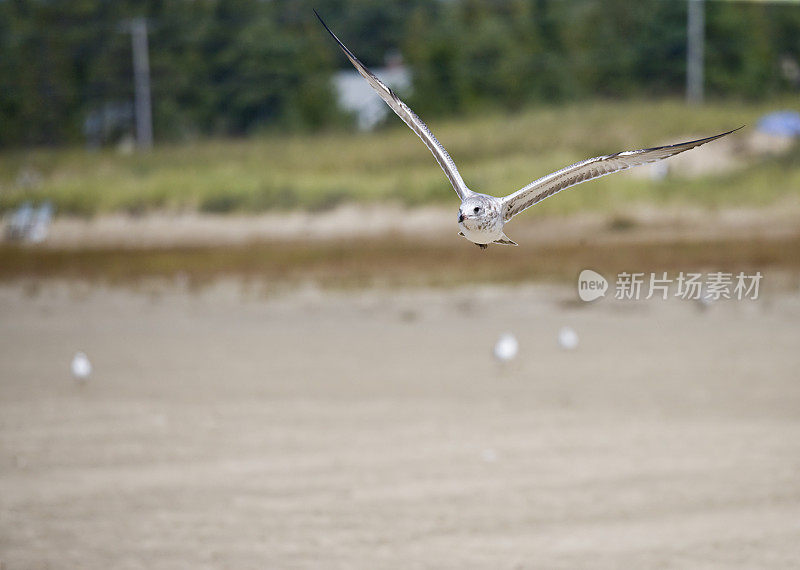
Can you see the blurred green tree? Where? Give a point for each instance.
(232, 67)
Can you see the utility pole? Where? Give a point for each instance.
(695, 38)
(141, 78)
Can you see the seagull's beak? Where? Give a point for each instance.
(460, 217)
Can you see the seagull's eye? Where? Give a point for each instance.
(477, 209)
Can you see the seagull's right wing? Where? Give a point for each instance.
(585, 170)
(409, 117)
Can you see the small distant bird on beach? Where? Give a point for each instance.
(481, 217)
(81, 367)
(568, 338)
(506, 348)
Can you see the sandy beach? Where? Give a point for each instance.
(373, 429)
(244, 326)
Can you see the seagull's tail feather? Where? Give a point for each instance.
(505, 241)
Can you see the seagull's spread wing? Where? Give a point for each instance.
(585, 170)
(409, 117)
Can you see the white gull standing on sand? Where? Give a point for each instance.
(506, 348)
(481, 217)
(81, 367)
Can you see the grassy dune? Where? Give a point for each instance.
(496, 154)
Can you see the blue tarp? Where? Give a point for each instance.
(780, 123)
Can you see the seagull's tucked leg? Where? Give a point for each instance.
(482, 245)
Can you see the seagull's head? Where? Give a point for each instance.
(476, 212)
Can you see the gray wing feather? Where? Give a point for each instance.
(409, 117)
(585, 170)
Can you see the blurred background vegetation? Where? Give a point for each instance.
(244, 115)
(235, 67)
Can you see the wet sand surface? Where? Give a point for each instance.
(223, 429)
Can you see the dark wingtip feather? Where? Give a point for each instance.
(695, 143)
(321, 21)
(344, 48)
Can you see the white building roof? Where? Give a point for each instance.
(356, 96)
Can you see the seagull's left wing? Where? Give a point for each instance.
(585, 170)
(409, 117)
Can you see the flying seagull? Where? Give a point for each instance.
(481, 217)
